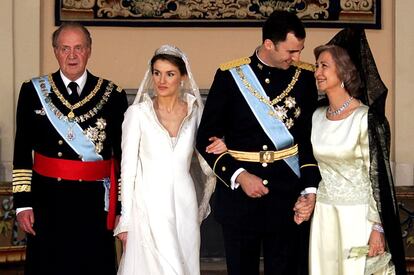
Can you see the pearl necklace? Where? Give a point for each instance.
(340, 109)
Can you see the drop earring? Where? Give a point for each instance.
(342, 85)
(182, 83)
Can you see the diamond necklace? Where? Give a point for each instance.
(340, 109)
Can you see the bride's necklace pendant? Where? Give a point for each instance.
(338, 111)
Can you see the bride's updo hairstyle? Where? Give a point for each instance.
(175, 60)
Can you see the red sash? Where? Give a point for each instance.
(81, 170)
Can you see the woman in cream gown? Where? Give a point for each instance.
(160, 221)
(347, 237)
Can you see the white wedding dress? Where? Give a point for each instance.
(159, 204)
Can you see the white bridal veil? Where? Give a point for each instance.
(201, 172)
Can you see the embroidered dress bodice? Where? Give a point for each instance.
(345, 209)
(341, 149)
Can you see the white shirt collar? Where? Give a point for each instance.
(258, 57)
(81, 81)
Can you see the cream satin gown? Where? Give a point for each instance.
(345, 209)
(160, 211)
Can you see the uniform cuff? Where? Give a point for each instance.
(234, 184)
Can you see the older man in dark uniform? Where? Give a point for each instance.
(262, 106)
(67, 144)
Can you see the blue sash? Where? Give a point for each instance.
(70, 131)
(273, 127)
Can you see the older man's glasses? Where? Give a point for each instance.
(75, 50)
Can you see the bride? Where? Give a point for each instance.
(161, 215)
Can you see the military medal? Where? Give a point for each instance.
(70, 135)
(71, 115)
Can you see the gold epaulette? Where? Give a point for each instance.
(118, 89)
(27, 81)
(304, 65)
(234, 63)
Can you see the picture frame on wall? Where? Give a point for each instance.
(229, 13)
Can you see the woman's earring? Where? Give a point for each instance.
(342, 85)
(182, 83)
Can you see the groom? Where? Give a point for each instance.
(262, 106)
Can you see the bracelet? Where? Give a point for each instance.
(378, 227)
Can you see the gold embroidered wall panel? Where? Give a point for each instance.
(211, 13)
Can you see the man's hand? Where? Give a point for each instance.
(304, 207)
(26, 221)
(252, 185)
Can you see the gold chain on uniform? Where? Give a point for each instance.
(264, 99)
(71, 107)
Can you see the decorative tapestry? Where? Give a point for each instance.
(217, 13)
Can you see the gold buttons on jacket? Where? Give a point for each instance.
(265, 182)
(80, 180)
(264, 147)
(59, 179)
(264, 164)
(60, 142)
(223, 168)
(267, 80)
(59, 154)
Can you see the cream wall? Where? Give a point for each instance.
(121, 53)
(404, 95)
(6, 81)
(19, 54)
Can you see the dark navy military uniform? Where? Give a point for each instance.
(70, 220)
(270, 217)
